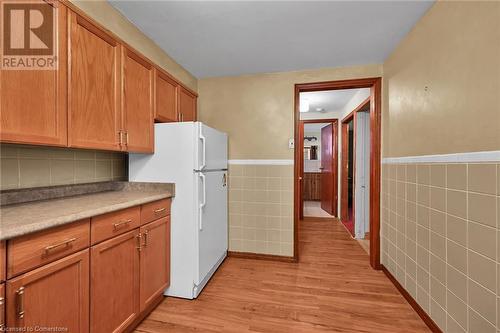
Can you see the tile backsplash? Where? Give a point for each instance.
(261, 209)
(30, 166)
(440, 234)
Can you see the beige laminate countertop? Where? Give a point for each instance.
(24, 218)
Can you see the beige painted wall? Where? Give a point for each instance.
(454, 51)
(257, 110)
(112, 19)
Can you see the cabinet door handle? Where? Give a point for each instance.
(126, 138)
(63, 243)
(138, 238)
(117, 225)
(146, 233)
(20, 303)
(159, 210)
(2, 313)
(120, 133)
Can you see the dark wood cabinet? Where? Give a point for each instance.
(55, 295)
(312, 186)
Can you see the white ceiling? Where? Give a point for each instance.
(315, 127)
(330, 100)
(219, 38)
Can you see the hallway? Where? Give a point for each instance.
(332, 289)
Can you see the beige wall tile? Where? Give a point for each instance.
(456, 176)
(456, 229)
(9, 172)
(478, 324)
(423, 236)
(423, 195)
(438, 175)
(423, 298)
(456, 256)
(437, 222)
(34, 172)
(498, 179)
(453, 326)
(423, 216)
(482, 178)
(457, 309)
(482, 301)
(438, 314)
(456, 282)
(411, 192)
(482, 270)
(411, 173)
(482, 239)
(456, 203)
(438, 198)
(438, 292)
(438, 245)
(482, 208)
(62, 171)
(438, 269)
(423, 174)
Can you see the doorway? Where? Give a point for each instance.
(319, 142)
(374, 115)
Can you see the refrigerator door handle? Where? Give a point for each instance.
(203, 149)
(204, 199)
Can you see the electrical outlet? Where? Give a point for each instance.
(291, 144)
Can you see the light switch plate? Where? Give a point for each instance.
(291, 143)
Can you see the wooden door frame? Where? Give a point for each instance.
(375, 85)
(335, 124)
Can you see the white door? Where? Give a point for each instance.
(211, 148)
(362, 176)
(212, 221)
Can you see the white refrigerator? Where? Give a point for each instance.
(194, 157)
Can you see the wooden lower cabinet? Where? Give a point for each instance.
(312, 186)
(55, 295)
(115, 283)
(155, 260)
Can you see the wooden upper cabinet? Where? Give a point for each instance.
(33, 103)
(94, 87)
(115, 283)
(2, 306)
(137, 99)
(55, 295)
(165, 98)
(187, 105)
(155, 260)
(3, 258)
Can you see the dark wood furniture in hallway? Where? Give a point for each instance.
(332, 289)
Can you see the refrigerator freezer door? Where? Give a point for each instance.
(212, 222)
(211, 148)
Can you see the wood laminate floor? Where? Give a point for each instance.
(331, 289)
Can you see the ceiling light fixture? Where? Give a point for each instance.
(304, 105)
(320, 109)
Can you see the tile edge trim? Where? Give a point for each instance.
(480, 156)
(260, 162)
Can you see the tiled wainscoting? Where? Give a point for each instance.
(26, 166)
(440, 235)
(261, 209)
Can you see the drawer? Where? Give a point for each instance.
(155, 210)
(34, 250)
(112, 224)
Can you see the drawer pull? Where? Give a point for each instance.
(2, 312)
(159, 210)
(121, 224)
(63, 243)
(138, 247)
(20, 303)
(146, 233)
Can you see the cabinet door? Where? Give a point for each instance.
(155, 260)
(187, 105)
(3, 258)
(137, 99)
(33, 102)
(166, 98)
(115, 283)
(54, 295)
(94, 87)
